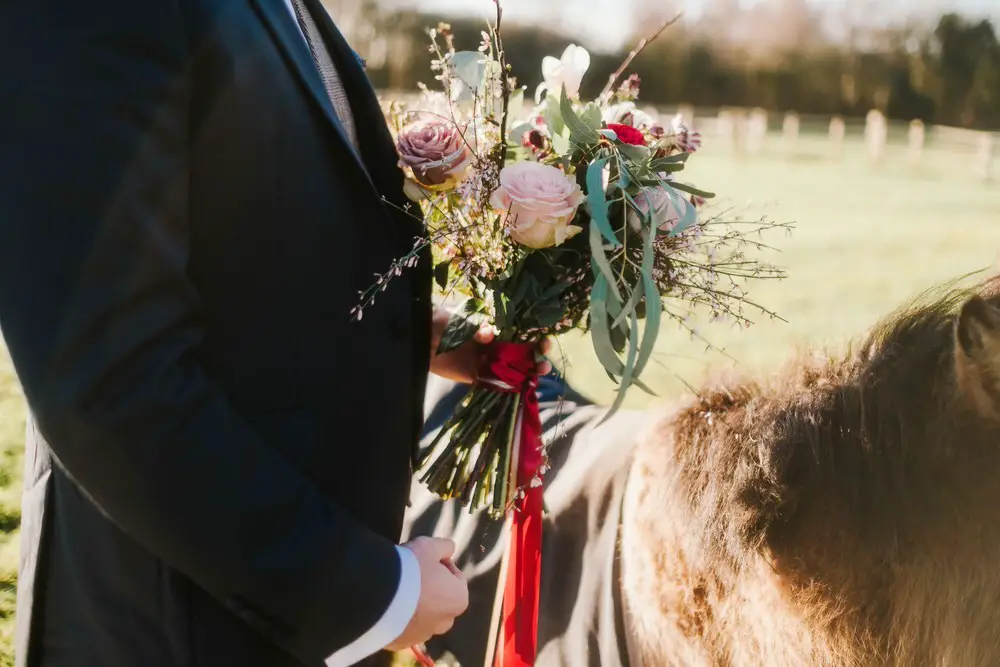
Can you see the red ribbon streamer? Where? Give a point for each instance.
(514, 365)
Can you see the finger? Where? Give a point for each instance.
(425, 547)
(544, 368)
(421, 541)
(440, 549)
(450, 564)
(444, 626)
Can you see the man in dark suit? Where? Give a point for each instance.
(192, 193)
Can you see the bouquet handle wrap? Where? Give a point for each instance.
(511, 367)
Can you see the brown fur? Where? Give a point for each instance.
(846, 513)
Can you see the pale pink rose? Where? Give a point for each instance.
(540, 201)
(435, 150)
(666, 211)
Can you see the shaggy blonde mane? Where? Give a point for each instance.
(841, 514)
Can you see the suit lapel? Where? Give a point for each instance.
(285, 33)
(373, 134)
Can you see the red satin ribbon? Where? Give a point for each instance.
(514, 365)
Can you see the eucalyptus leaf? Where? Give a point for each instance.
(633, 347)
(500, 306)
(600, 261)
(592, 116)
(553, 115)
(600, 333)
(555, 290)
(670, 168)
(630, 305)
(523, 288)
(548, 314)
(635, 154)
(597, 203)
(580, 132)
(645, 216)
(619, 338)
(654, 306)
(692, 190)
(462, 326)
(680, 158)
(689, 211)
(469, 67)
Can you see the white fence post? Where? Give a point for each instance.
(724, 128)
(875, 135)
(837, 131)
(756, 130)
(686, 112)
(916, 141)
(987, 143)
(790, 132)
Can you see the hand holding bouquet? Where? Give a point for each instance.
(548, 217)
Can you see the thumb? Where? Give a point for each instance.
(443, 548)
(438, 548)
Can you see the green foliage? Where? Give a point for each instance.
(461, 327)
(597, 205)
(533, 294)
(470, 69)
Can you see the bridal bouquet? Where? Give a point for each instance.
(549, 215)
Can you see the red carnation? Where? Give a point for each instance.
(627, 134)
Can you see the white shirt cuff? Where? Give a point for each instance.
(393, 621)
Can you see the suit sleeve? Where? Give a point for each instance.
(102, 325)
(393, 621)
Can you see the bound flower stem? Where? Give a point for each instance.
(470, 459)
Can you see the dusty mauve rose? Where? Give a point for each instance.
(666, 211)
(435, 150)
(540, 201)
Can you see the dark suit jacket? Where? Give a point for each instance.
(218, 459)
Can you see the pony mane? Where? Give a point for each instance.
(860, 429)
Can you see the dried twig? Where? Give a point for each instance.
(505, 85)
(643, 43)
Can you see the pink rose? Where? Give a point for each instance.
(435, 150)
(666, 211)
(540, 201)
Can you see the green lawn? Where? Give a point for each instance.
(865, 239)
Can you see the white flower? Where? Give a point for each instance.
(566, 71)
(627, 113)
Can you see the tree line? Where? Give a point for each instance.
(945, 73)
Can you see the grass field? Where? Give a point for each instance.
(866, 238)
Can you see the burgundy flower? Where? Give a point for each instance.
(627, 134)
